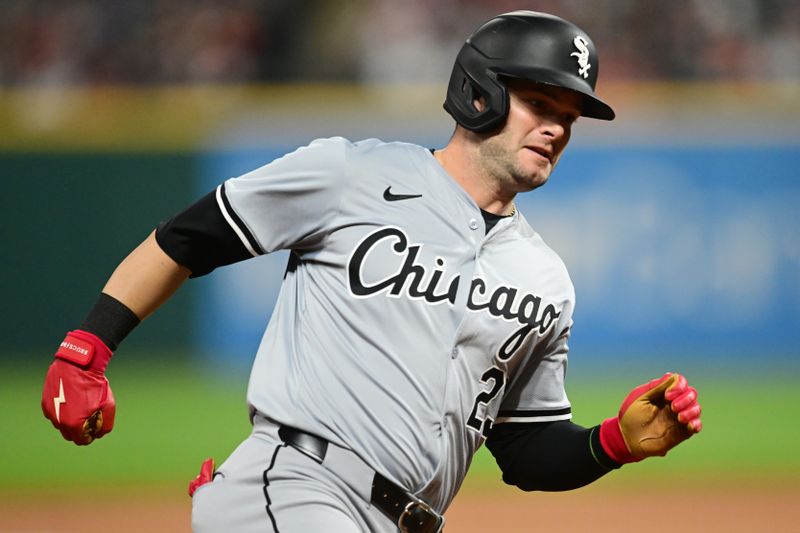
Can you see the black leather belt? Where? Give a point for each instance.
(411, 514)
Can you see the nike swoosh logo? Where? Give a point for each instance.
(391, 197)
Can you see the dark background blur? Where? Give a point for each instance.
(677, 220)
(184, 41)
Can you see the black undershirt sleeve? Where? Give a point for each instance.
(200, 239)
(549, 456)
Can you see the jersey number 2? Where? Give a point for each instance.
(498, 379)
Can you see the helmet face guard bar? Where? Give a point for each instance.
(526, 45)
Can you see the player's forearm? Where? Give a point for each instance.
(76, 396)
(554, 456)
(146, 278)
(192, 243)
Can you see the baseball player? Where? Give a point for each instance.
(420, 314)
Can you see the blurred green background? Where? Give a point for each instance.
(115, 115)
(171, 417)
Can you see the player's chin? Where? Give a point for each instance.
(538, 170)
(538, 183)
(537, 178)
(530, 182)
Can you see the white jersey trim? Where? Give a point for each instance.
(549, 418)
(232, 224)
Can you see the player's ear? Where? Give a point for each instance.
(473, 94)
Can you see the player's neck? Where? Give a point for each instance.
(461, 165)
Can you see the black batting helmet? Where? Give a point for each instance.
(525, 45)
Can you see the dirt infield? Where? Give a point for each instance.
(595, 510)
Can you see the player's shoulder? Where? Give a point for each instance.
(373, 147)
(533, 238)
(373, 144)
(364, 145)
(545, 255)
(373, 157)
(329, 146)
(364, 149)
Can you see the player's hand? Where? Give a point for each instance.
(654, 418)
(76, 397)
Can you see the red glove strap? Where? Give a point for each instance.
(613, 442)
(85, 350)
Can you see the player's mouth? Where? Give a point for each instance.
(542, 152)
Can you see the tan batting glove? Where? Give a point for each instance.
(654, 418)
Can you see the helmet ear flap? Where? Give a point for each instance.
(471, 81)
(468, 89)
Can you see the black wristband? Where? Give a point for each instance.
(111, 320)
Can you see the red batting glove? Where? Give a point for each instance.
(683, 402)
(654, 418)
(76, 396)
(205, 476)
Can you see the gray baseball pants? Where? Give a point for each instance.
(267, 486)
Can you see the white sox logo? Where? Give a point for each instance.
(582, 55)
(413, 280)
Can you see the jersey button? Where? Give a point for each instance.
(473, 224)
(454, 353)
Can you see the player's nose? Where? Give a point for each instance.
(552, 129)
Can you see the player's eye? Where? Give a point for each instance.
(569, 118)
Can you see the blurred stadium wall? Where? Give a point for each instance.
(678, 222)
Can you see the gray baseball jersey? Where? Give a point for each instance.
(402, 330)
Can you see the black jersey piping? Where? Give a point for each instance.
(266, 485)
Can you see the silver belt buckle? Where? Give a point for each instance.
(419, 506)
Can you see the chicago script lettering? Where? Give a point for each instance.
(410, 276)
(412, 280)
